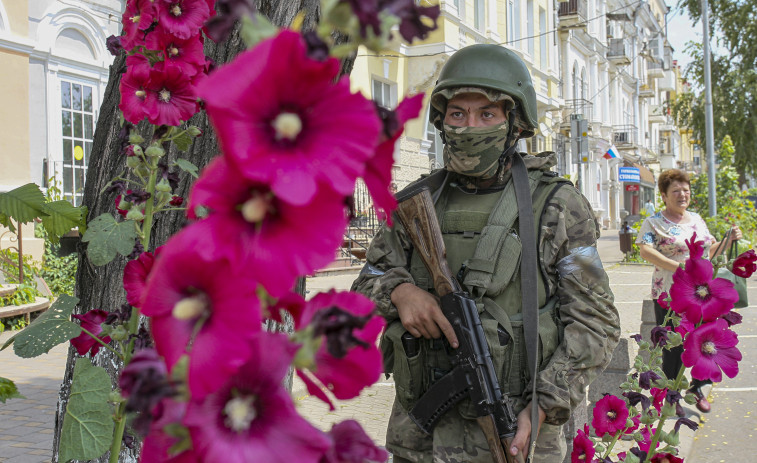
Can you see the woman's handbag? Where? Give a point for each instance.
(739, 283)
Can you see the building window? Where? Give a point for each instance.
(77, 122)
(513, 21)
(435, 149)
(543, 38)
(530, 26)
(478, 14)
(384, 93)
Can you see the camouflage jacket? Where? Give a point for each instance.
(592, 326)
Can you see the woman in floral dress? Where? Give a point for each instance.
(662, 242)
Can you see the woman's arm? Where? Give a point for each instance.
(653, 256)
(734, 235)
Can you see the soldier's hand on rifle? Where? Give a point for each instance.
(420, 313)
(522, 440)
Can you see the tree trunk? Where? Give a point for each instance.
(101, 287)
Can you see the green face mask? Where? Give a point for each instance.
(474, 151)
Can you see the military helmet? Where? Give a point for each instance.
(494, 67)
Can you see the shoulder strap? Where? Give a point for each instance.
(528, 275)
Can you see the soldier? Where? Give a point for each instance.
(483, 103)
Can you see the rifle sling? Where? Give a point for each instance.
(528, 279)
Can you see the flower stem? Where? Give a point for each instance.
(118, 433)
(149, 209)
(103, 343)
(612, 444)
(663, 418)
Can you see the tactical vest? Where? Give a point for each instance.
(481, 238)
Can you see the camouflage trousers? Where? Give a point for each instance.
(458, 440)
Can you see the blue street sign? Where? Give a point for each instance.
(629, 174)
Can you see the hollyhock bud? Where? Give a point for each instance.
(194, 131)
(113, 44)
(132, 162)
(163, 185)
(136, 138)
(122, 204)
(135, 214)
(155, 151)
(176, 201)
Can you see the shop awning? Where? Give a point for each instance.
(647, 177)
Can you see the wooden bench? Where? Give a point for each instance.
(39, 304)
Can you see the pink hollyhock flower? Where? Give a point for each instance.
(658, 396)
(711, 348)
(583, 447)
(170, 95)
(378, 174)
(183, 18)
(347, 359)
(133, 88)
(186, 54)
(664, 300)
(251, 417)
(196, 300)
(294, 131)
(646, 443)
(610, 415)
(745, 264)
(665, 458)
(697, 296)
(352, 445)
(696, 248)
(90, 321)
(157, 445)
(137, 18)
(636, 420)
(135, 276)
(253, 228)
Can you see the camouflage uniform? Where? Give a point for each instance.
(567, 251)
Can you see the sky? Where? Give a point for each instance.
(680, 31)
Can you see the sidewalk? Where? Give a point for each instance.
(26, 424)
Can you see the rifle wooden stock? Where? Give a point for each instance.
(417, 215)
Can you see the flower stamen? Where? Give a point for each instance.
(176, 10)
(140, 93)
(164, 95)
(134, 19)
(240, 411)
(190, 308)
(709, 348)
(702, 291)
(254, 209)
(173, 51)
(287, 125)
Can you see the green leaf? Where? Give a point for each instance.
(88, 425)
(183, 141)
(8, 390)
(5, 221)
(106, 237)
(62, 217)
(23, 204)
(187, 167)
(51, 328)
(257, 29)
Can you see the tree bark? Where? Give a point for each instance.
(101, 287)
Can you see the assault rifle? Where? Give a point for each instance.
(473, 375)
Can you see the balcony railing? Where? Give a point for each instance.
(654, 69)
(617, 51)
(625, 136)
(572, 14)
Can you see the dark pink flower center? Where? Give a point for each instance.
(702, 291)
(612, 414)
(240, 412)
(709, 348)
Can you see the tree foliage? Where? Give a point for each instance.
(734, 206)
(733, 25)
